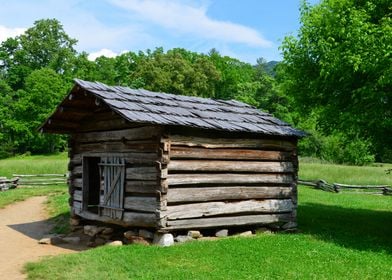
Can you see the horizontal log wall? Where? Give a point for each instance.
(220, 182)
(145, 183)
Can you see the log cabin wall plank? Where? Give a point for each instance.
(139, 146)
(226, 181)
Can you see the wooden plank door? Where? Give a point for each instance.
(112, 187)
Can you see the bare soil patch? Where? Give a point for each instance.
(21, 226)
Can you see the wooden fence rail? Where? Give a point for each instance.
(336, 187)
(32, 180)
(40, 179)
(6, 184)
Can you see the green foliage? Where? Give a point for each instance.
(44, 45)
(178, 71)
(337, 148)
(33, 80)
(340, 65)
(341, 149)
(44, 89)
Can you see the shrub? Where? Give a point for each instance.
(357, 152)
(337, 148)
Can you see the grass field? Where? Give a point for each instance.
(54, 164)
(342, 236)
(57, 205)
(375, 174)
(32, 165)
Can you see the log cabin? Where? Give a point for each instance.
(168, 162)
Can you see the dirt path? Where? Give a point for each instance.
(21, 225)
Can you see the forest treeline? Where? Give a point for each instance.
(334, 81)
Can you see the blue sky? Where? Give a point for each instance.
(245, 29)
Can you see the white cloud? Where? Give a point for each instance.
(103, 52)
(81, 20)
(7, 32)
(187, 19)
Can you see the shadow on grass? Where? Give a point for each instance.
(359, 229)
(60, 223)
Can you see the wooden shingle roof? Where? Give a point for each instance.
(143, 106)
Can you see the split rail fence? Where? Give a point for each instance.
(57, 179)
(336, 187)
(32, 180)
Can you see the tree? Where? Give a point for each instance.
(44, 45)
(233, 73)
(178, 71)
(6, 113)
(44, 89)
(341, 65)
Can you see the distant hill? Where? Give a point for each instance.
(269, 67)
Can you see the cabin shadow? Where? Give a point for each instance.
(358, 229)
(39, 229)
(34, 230)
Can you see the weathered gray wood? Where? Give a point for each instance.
(228, 221)
(77, 171)
(77, 183)
(129, 146)
(229, 178)
(142, 173)
(133, 219)
(140, 219)
(179, 152)
(381, 187)
(40, 183)
(5, 180)
(63, 123)
(137, 133)
(74, 160)
(114, 183)
(162, 201)
(78, 195)
(195, 210)
(147, 187)
(137, 157)
(104, 115)
(41, 179)
(229, 166)
(231, 143)
(91, 124)
(77, 205)
(145, 173)
(175, 195)
(40, 175)
(145, 204)
(79, 112)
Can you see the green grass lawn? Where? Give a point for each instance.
(342, 236)
(37, 164)
(375, 174)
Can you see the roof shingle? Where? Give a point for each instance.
(143, 106)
